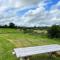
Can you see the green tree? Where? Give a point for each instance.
(11, 25)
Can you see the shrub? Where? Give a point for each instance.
(27, 30)
(54, 31)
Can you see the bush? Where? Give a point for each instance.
(54, 31)
(27, 30)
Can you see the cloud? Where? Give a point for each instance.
(29, 13)
(40, 16)
(55, 12)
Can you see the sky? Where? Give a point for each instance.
(30, 12)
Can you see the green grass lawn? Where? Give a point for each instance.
(12, 38)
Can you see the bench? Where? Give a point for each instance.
(26, 52)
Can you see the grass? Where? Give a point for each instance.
(12, 38)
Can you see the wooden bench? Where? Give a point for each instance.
(24, 53)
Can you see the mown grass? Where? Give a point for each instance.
(13, 38)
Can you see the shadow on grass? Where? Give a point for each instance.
(44, 57)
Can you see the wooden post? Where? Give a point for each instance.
(24, 58)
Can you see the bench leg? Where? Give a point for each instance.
(50, 56)
(24, 58)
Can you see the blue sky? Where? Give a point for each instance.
(23, 11)
(50, 3)
(30, 12)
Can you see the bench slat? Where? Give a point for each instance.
(28, 51)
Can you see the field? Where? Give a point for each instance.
(12, 38)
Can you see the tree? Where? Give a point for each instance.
(54, 31)
(11, 25)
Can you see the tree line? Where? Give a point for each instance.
(12, 25)
(53, 31)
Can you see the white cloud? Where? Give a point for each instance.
(38, 16)
(41, 17)
(55, 12)
(18, 3)
(2, 8)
